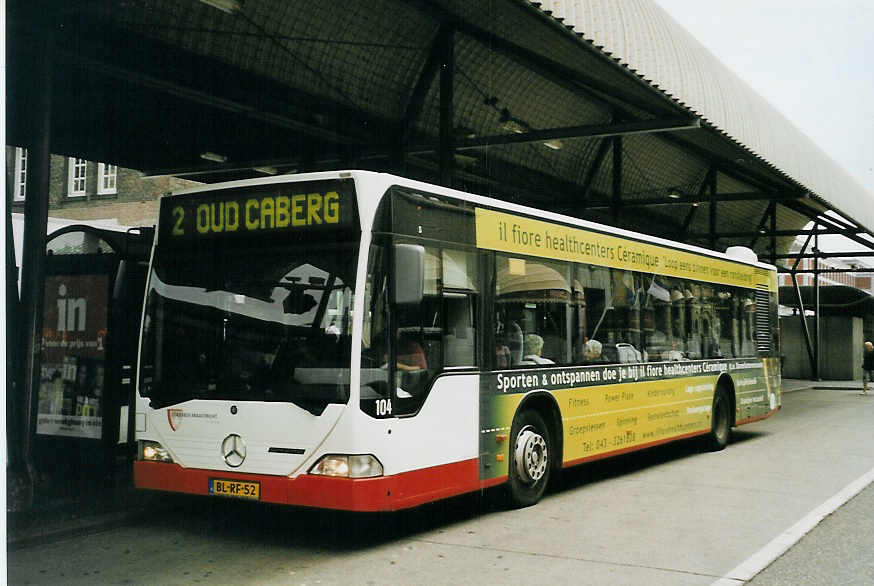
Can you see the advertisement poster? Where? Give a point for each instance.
(73, 371)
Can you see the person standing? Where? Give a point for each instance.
(867, 366)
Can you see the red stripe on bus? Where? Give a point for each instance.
(759, 418)
(387, 493)
(488, 483)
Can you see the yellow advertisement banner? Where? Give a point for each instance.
(515, 234)
(618, 417)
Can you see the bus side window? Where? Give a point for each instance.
(375, 388)
(459, 340)
(622, 341)
(459, 288)
(597, 303)
(532, 297)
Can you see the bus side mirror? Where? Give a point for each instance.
(409, 274)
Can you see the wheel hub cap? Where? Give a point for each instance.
(530, 455)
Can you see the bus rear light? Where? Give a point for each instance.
(153, 452)
(346, 466)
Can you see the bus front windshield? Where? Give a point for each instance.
(268, 322)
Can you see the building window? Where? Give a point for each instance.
(76, 179)
(106, 178)
(20, 188)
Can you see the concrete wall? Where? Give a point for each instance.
(841, 341)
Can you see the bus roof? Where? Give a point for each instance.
(386, 180)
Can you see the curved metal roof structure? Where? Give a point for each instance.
(646, 40)
(603, 110)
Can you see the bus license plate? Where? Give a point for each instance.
(235, 488)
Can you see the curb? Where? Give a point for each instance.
(796, 389)
(35, 535)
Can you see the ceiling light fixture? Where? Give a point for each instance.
(214, 157)
(229, 6)
(553, 144)
(266, 170)
(511, 124)
(464, 132)
(674, 193)
(465, 160)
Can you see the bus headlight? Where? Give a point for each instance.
(345, 466)
(153, 452)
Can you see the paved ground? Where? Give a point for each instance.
(673, 515)
(839, 551)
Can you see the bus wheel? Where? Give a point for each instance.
(720, 430)
(530, 455)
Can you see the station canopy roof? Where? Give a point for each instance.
(599, 109)
(834, 299)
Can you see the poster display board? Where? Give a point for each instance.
(72, 380)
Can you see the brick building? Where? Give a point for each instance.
(87, 190)
(861, 280)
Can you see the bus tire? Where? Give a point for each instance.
(720, 424)
(531, 451)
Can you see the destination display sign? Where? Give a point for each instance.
(273, 208)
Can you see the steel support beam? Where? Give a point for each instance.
(860, 254)
(810, 347)
(416, 101)
(36, 210)
(447, 94)
(772, 245)
(477, 143)
(816, 306)
(571, 132)
(749, 234)
(592, 172)
(770, 212)
(851, 232)
(617, 179)
(719, 197)
(828, 270)
(727, 166)
(804, 328)
(14, 372)
(713, 201)
(690, 215)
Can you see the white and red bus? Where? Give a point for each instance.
(359, 341)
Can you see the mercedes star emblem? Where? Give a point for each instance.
(234, 450)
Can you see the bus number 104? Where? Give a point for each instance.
(383, 407)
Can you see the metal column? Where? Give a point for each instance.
(447, 90)
(816, 304)
(616, 201)
(14, 384)
(713, 211)
(807, 339)
(36, 208)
